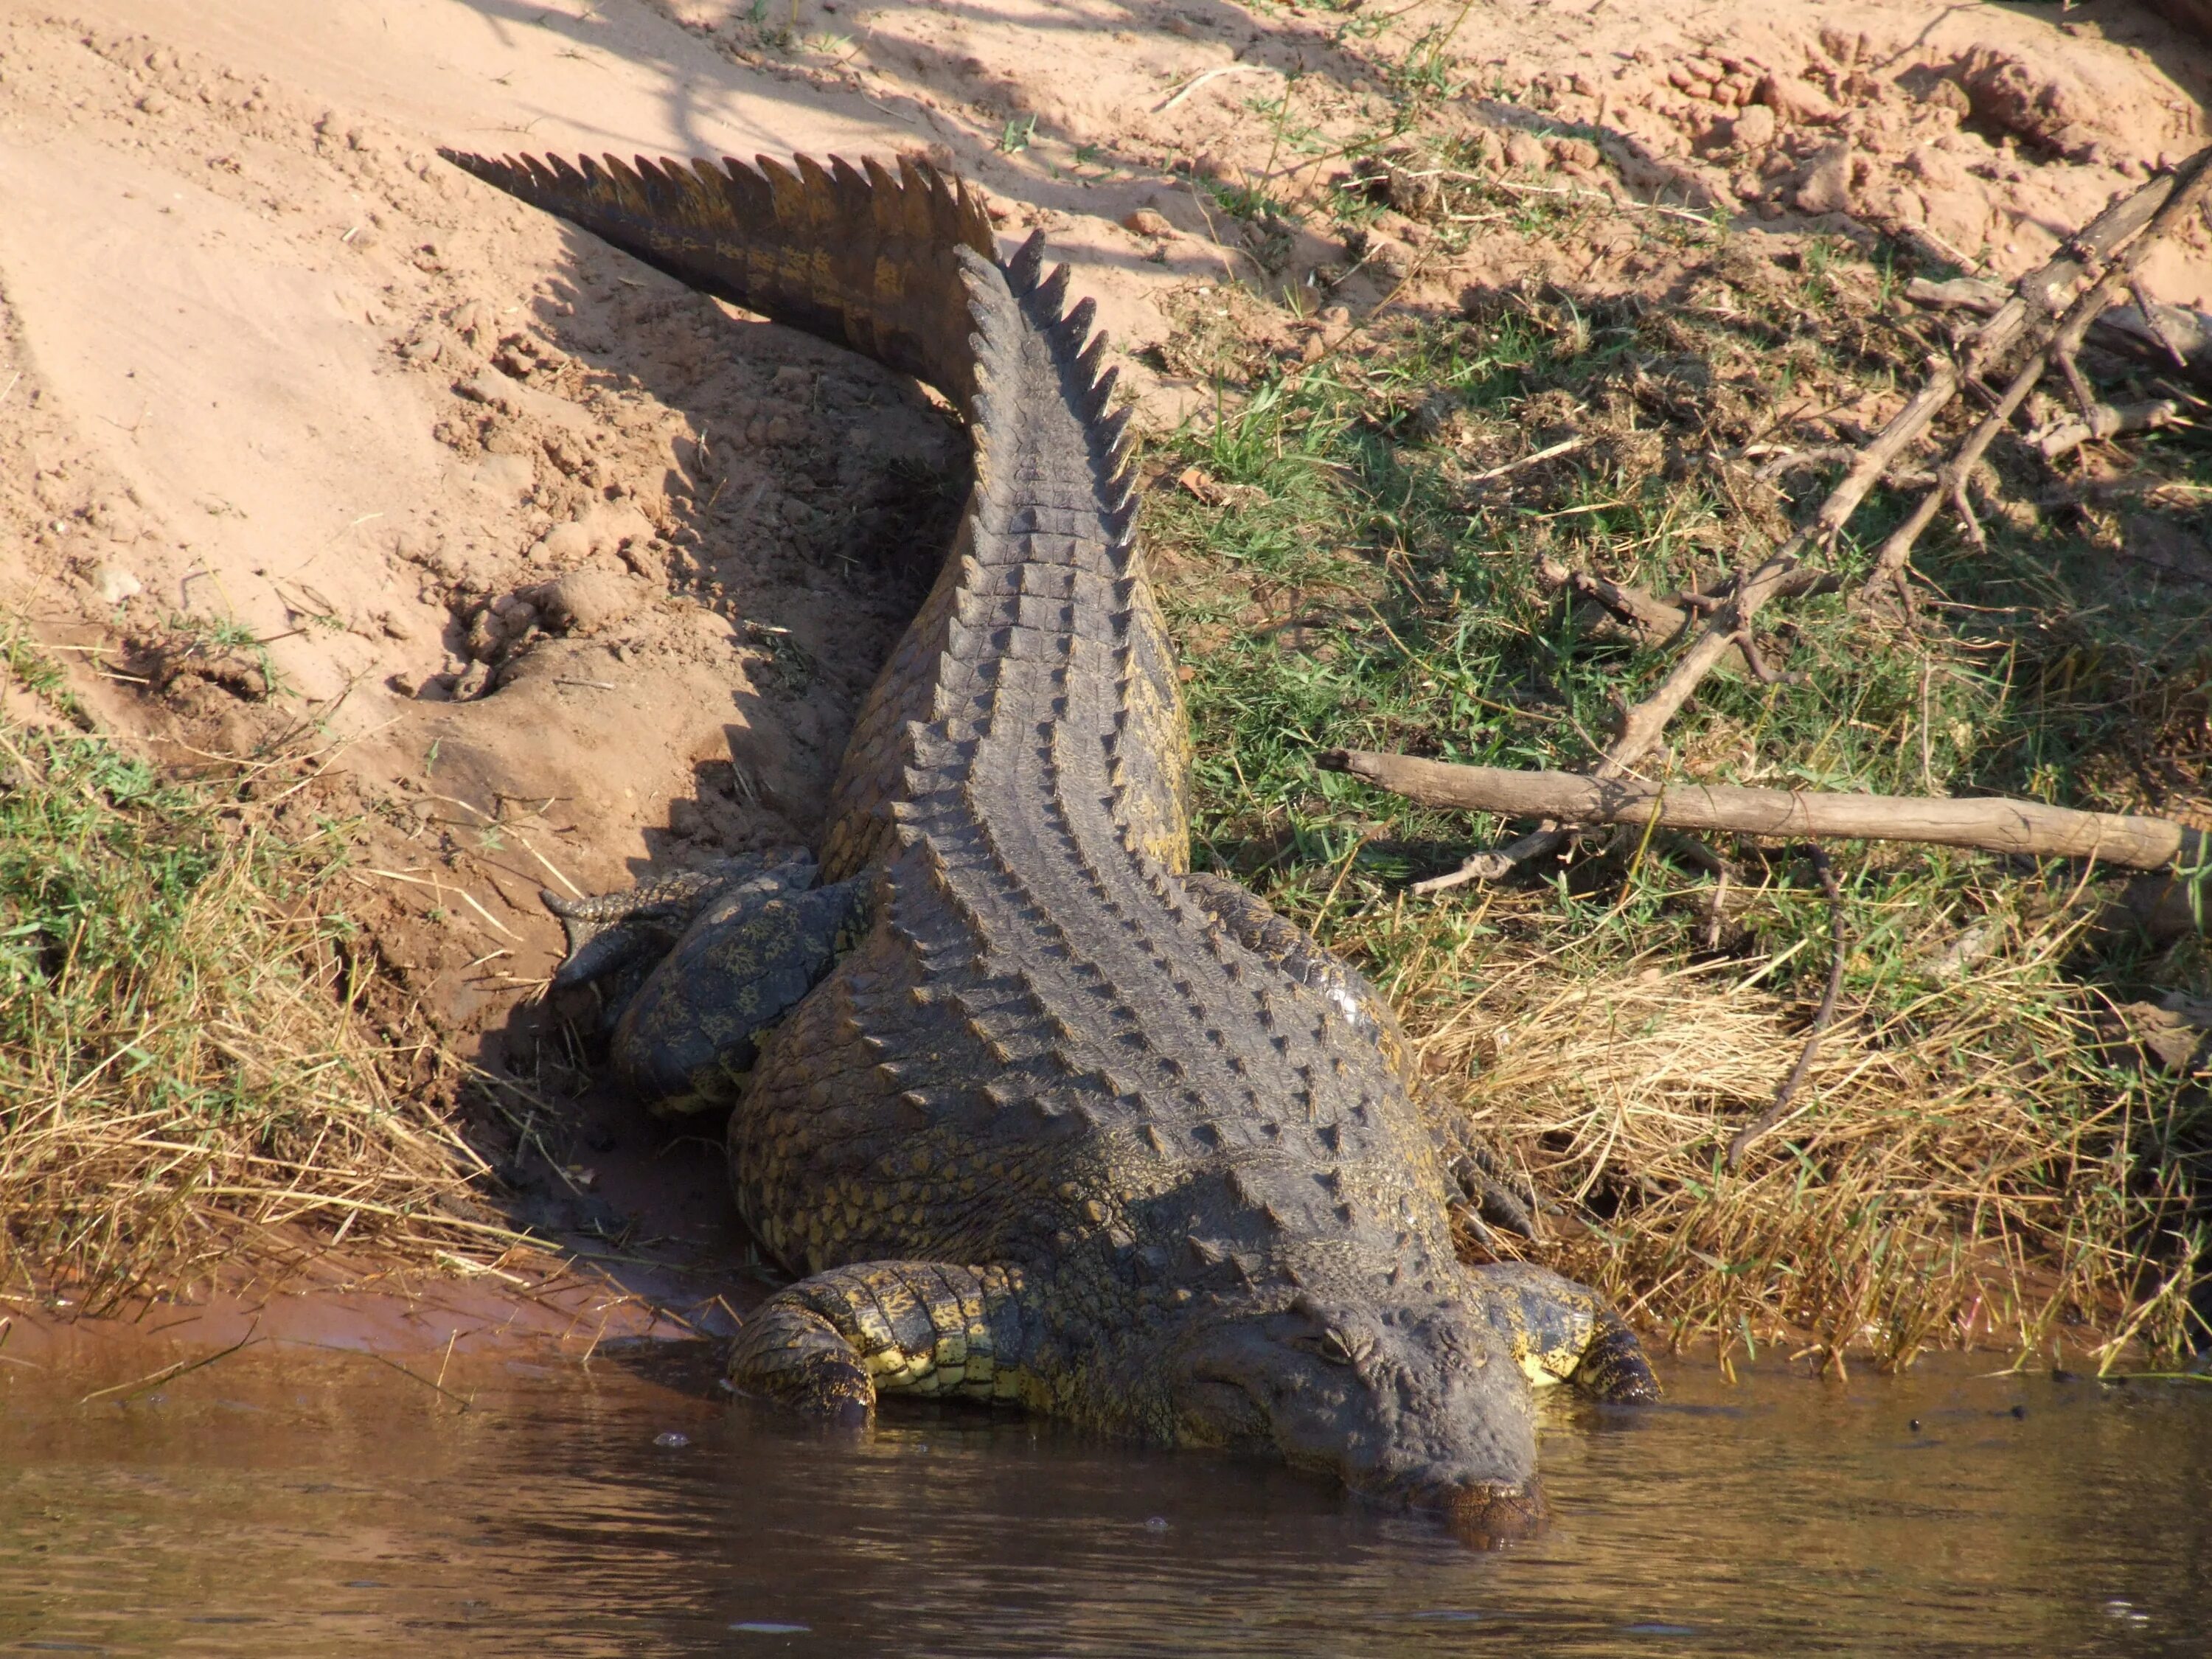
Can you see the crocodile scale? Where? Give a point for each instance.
(1068, 1125)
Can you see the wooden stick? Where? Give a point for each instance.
(1992, 823)
(2160, 336)
(1619, 612)
(1838, 951)
(2104, 421)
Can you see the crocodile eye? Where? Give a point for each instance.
(1333, 1348)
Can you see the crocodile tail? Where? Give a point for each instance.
(859, 257)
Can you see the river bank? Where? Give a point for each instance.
(440, 555)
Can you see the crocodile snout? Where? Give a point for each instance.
(1485, 1514)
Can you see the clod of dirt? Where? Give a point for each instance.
(2046, 110)
(603, 529)
(1798, 103)
(1827, 184)
(1754, 129)
(588, 600)
(1146, 221)
(1526, 150)
(1389, 179)
(2175, 1032)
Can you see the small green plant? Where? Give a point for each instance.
(39, 674)
(180, 1052)
(1014, 138)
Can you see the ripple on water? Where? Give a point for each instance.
(325, 1506)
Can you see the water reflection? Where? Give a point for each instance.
(332, 1506)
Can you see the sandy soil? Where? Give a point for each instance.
(583, 574)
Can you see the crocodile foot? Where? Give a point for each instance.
(1490, 1191)
(828, 1345)
(1562, 1331)
(696, 969)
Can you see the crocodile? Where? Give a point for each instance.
(1033, 1113)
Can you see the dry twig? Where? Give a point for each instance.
(1839, 949)
(2103, 421)
(2186, 193)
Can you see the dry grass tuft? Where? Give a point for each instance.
(180, 1057)
(1952, 1171)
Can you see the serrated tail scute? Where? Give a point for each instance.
(850, 254)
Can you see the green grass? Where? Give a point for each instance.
(182, 1064)
(1976, 1155)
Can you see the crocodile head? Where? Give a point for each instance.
(1413, 1404)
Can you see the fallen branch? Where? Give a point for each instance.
(1198, 81)
(2191, 185)
(170, 1373)
(1614, 611)
(2159, 336)
(2038, 297)
(1619, 613)
(1567, 448)
(1839, 951)
(1991, 823)
(2104, 421)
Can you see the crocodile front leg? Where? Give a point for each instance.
(1562, 1331)
(737, 947)
(830, 1345)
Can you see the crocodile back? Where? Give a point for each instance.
(1045, 1053)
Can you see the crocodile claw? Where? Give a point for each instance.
(1494, 1194)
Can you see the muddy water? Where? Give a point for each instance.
(325, 1505)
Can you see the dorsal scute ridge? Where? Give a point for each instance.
(881, 180)
(1074, 328)
(711, 185)
(656, 187)
(913, 173)
(1101, 397)
(654, 199)
(820, 184)
(1025, 266)
(1051, 296)
(786, 189)
(620, 178)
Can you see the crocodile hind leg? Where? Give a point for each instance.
(830, 1345)
(1562, 1331)
(1479, 1175)
(737, 948)
(1487, 1190)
